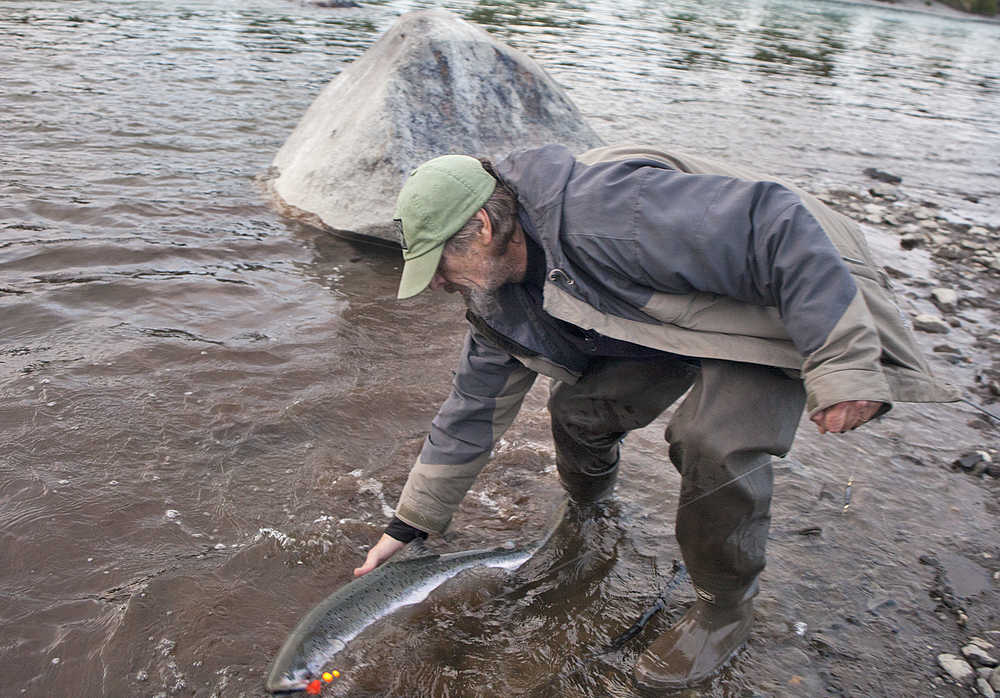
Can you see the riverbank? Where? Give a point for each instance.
(948, 272)
(934, 7)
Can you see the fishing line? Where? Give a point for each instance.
(983, 410)
(725, 484)
(677, 577)
(678, 573)
(441, 623)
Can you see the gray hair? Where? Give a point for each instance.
(501, 207)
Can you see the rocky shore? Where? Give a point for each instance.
(946, 274)
(956, 8)
(954, 279)
(975, 666)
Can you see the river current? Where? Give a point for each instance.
(207, 411)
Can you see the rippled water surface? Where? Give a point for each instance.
(207, 411)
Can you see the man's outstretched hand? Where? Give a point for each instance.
(386, 547)
(845, 416)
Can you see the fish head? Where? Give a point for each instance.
(289, 682)
(296, 666)
(289, 677)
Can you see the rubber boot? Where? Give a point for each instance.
(584, 488)
(696, 647)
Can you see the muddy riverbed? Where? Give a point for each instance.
(208, 411)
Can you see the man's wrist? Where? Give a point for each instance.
(402, 531)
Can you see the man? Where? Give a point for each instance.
(629, 276)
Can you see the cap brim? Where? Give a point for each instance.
(418, 272)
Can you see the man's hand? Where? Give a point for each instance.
(845, 416)
(386, 547)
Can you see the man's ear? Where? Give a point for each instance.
(486, 232)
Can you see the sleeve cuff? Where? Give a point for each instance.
(402, 531)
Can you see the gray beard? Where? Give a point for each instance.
(481, 302)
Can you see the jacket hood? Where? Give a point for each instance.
(538, 178)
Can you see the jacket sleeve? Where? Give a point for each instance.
(756, 242)
(487, 393)
(759, 243)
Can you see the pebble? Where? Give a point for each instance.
(930, 323)
(978, 655)
(957, 668)
(984, 688)
(945, 299)
(946, 349)
(950, 251)
(995, 680)
(884, 191)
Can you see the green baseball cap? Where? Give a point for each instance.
(438, 198)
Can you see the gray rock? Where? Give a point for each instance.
(930, 323)
(976, 654)
(956, 667)
(945, 299)
(946, 349)
(950, 252)
(432, 84)
(984, 688)
(884, 191)
(882, 176)
(995, 680)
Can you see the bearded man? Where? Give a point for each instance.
(631, 276)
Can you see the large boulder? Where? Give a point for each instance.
(433, 84)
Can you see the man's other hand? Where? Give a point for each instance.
(386, 547)
(845, 416)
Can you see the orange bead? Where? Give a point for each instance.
(314, 687)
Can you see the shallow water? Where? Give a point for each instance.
(207, 411)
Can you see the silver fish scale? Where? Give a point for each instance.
(328, 627)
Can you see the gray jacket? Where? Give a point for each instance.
(680, 254)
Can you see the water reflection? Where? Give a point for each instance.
(512, 16)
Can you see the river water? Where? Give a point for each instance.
(207, 411)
